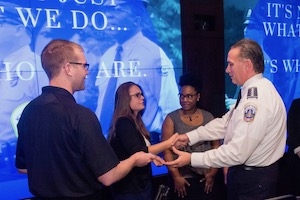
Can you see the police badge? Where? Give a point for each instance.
(249, 113)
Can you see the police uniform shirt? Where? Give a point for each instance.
(254, 133)
(20, 84)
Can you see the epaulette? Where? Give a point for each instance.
(252, 93)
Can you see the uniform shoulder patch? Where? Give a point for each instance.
(249, 112)
(252, 93)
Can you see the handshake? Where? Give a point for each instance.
(175, 142)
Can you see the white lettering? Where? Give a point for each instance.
(85, 19)
(102, 69)
(102, 18)
(25, 66)
(30, 16)
(281, 29)
(51, 16)
(24, 70)
(274, 67)
(133, 65)
(288, 65)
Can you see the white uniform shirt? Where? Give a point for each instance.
(254, 133)
(19, 83)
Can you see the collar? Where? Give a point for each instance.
(250, 81)
(59, 91)
(128, 44)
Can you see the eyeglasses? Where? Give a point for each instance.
(188, 96)
(85, 65)
(137, 95)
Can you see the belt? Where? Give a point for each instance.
(251, 168)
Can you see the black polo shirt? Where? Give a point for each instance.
(62, 146)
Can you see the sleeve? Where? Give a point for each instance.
(214, 130)
(20, 151)
(293, 126)
(244, 139)
(21, 158)
(130, 137)
(98, 153)
(169, 89)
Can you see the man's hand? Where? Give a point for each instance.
(142, 159)
(158, 161)
(180, 141)
(184, 158)
(298, 154)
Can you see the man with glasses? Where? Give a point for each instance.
(61, 146)
(20, 78)
(140, 60)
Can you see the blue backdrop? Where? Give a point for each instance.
(27, 26)
(274, 24)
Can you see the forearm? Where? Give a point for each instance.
(159, 147)
(212, 172)
(214, 130)
(118, 172)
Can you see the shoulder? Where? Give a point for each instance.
(207, 116)
(143, 43)
(262, 90)
(124, 120)
(84, 115)
(174, 113)
(205, 112)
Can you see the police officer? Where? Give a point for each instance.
(21, 79)
(254, 131)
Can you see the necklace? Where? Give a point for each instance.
(190, 116)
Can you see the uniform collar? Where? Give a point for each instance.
(253, 79)
(130, 43)
(250, 81)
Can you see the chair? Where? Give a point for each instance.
(162, 192)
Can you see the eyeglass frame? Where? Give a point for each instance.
(188, 96)
(137, 95)
(85, 65)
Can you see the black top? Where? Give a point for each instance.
(128, 141)
(293, 125)
(62, 147)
